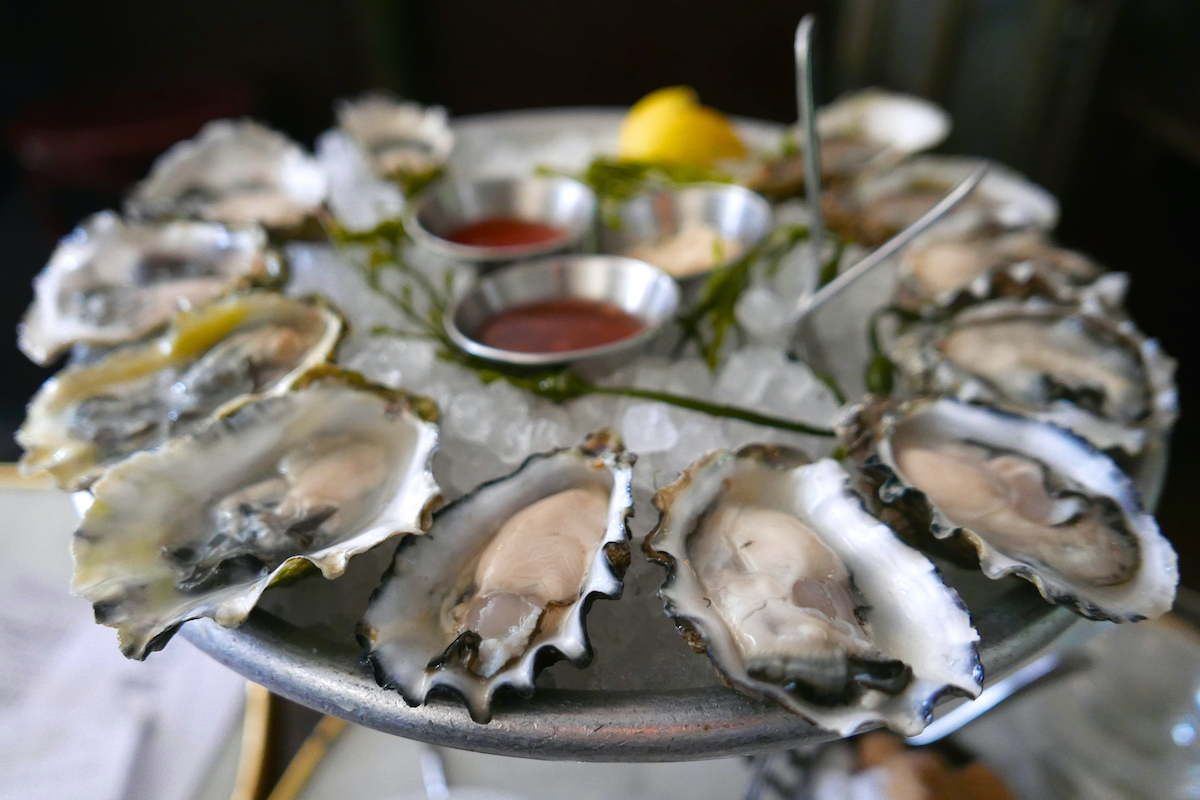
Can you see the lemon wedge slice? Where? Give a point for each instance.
(669, 126)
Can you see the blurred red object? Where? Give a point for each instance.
(82, 152)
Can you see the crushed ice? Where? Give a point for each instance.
(489, 429)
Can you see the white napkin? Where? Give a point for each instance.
(78, 720)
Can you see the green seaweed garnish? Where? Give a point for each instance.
(708, 322)
(880, 372)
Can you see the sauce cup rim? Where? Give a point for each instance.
(547, 359)
(733, 188)
(468, 252)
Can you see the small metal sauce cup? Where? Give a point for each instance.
(639, 289)
(451, 205)
(736, 213)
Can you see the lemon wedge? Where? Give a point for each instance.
(669, 126)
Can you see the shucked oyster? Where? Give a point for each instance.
(203, 525)
(1101, 378)
(869, 129)
(798, 594)
(879, 205)
(874, 128)
(137, 396)
(1032, 498)
(504, 577)
(401, 140)
(233, 171)
(111, 282)
(381, 151)
(945, 270)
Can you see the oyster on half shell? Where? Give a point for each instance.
(404, 141)
(878, 205)
(949, 270)
(110, 282)
(138, 395)
(233, 171)
(382, 151)
(860, 131)
(797, 594)
(502, 580)
(1032, 498)
(203, 525)
(1065, 363)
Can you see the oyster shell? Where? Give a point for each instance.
(874, 128)
(233, 171)
(504, 577)
(359, 199)
(952, 270)
(868, 129)
(402, 141)
(799, 595)
(880, 204)
(110, 282)
(381, 151)
(1084, 370)
(137, 396)
(203, 525)
(1033, 499)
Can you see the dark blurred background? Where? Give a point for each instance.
(1098, 100)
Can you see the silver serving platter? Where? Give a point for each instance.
(646, 696)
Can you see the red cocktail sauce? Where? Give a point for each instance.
(559, 325)
(504, 232)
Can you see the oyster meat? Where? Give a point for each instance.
(203, 525)
(137, 396)
(110, 282)
(776, 570)
(504, 577)
(1034, 500)
(941, 270)
(233, 171)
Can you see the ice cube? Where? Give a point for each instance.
(512, 440)
(391, 361)
(460, 467)
(763, 314)
(334, 274)
(647, 428)
(551, 428)
(358, 198)
(744, 378)
(469, 417)
(591, 413)
(796, 394)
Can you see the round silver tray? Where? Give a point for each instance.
(646, 695)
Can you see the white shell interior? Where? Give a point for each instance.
(102, 261)
(47, 434)
(242, 172)
(902, 123)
